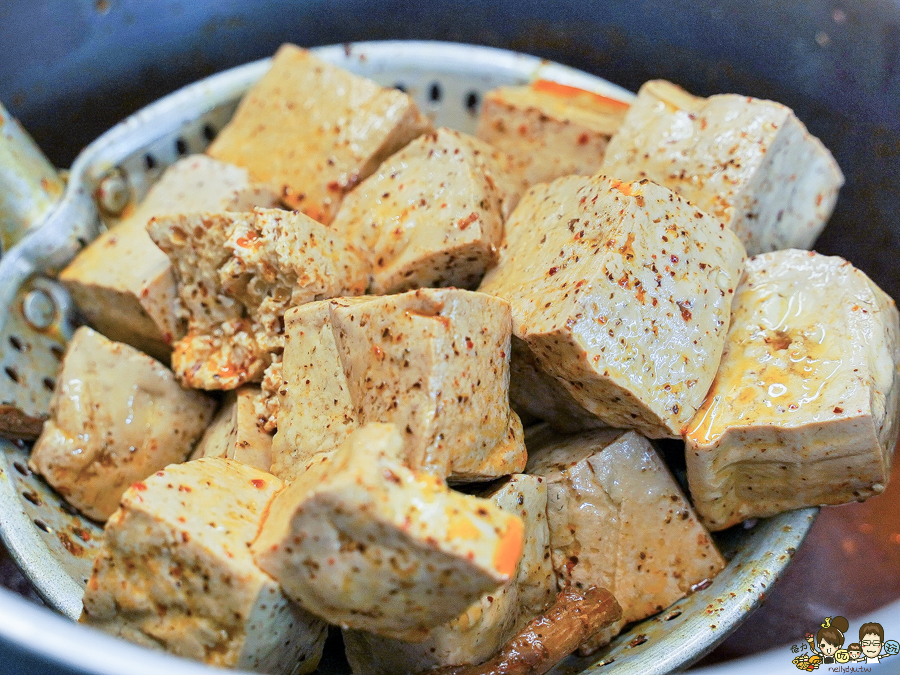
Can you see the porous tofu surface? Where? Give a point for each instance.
(433, 361)
(124, 284)
(116, 416)
(493, 619)
(175, 572)
(618, 520)
(316, 130)
(366, 543)
(235, 432)
(237, 275)
(622, 292)
(432, 214)
(803, 410)
(747, 162)
(549, 130)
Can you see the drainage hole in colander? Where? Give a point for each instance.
(21, 468)
(150, 161)
(209, 132)
(57, 351)
(43, 526)
(672, 615)
(181, 147)
(472, 100)
(49, 383)
(400, 87)
(33, 497)
(16, 343)
(12, 374)
(434, 93)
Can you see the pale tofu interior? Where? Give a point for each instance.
(236, 432)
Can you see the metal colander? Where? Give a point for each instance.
(54, 545)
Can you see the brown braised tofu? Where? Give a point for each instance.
(175, 573)
(431, 215)
(433, 361)
(804, 408)
(549, 129)
(476, 634)
(124, 284)
(749, 163)
(364, 542)
(618, 520)
(316, 131)
(116, 416)
(622, 292)
(235, 432)
(237, 275)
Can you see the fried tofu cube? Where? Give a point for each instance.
(116, 416)
(235, 432)
(432, 214)
(618, 520)
(491, 621)
(124, 284)
(366, 543)
(237, 275)
(433, 361)
(749, 163)
(622, 292)
(804, 408)
(549, 129)
(175, 572)
(316, 130)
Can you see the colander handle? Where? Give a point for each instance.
(29, 184)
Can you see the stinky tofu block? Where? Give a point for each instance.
(432, 214)
(124, 284)
(316, 130)
(116, 416)
(749, 163)
(804, 408)
(491, 621)
(237, 275)
(622, 292)
(235, 432)
(549, 129)
(433, 361)
(366, 543)
(618, 520)
(175, 572)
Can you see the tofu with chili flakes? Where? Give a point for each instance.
(548, 129)
(432, 214)
(433, 361)
(237, 275)
(175, 572)
(116, 416)
(618, 520)
(235, 432)
(749, 163)
(622, 292)
(316, 130)
(124, 284)
(803, 410)
(366, 543)
(476, 634)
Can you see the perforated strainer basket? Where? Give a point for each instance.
(54, 546)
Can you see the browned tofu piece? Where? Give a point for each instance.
(476, 634)
(549, 129)
(124, 284)
(622, 292)
(804, 408)
(618, 520)
(235, 433)
(237, 275)
(433, 361)
(749, 163)
(432, 214)
(316, 130)
(116, 416)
